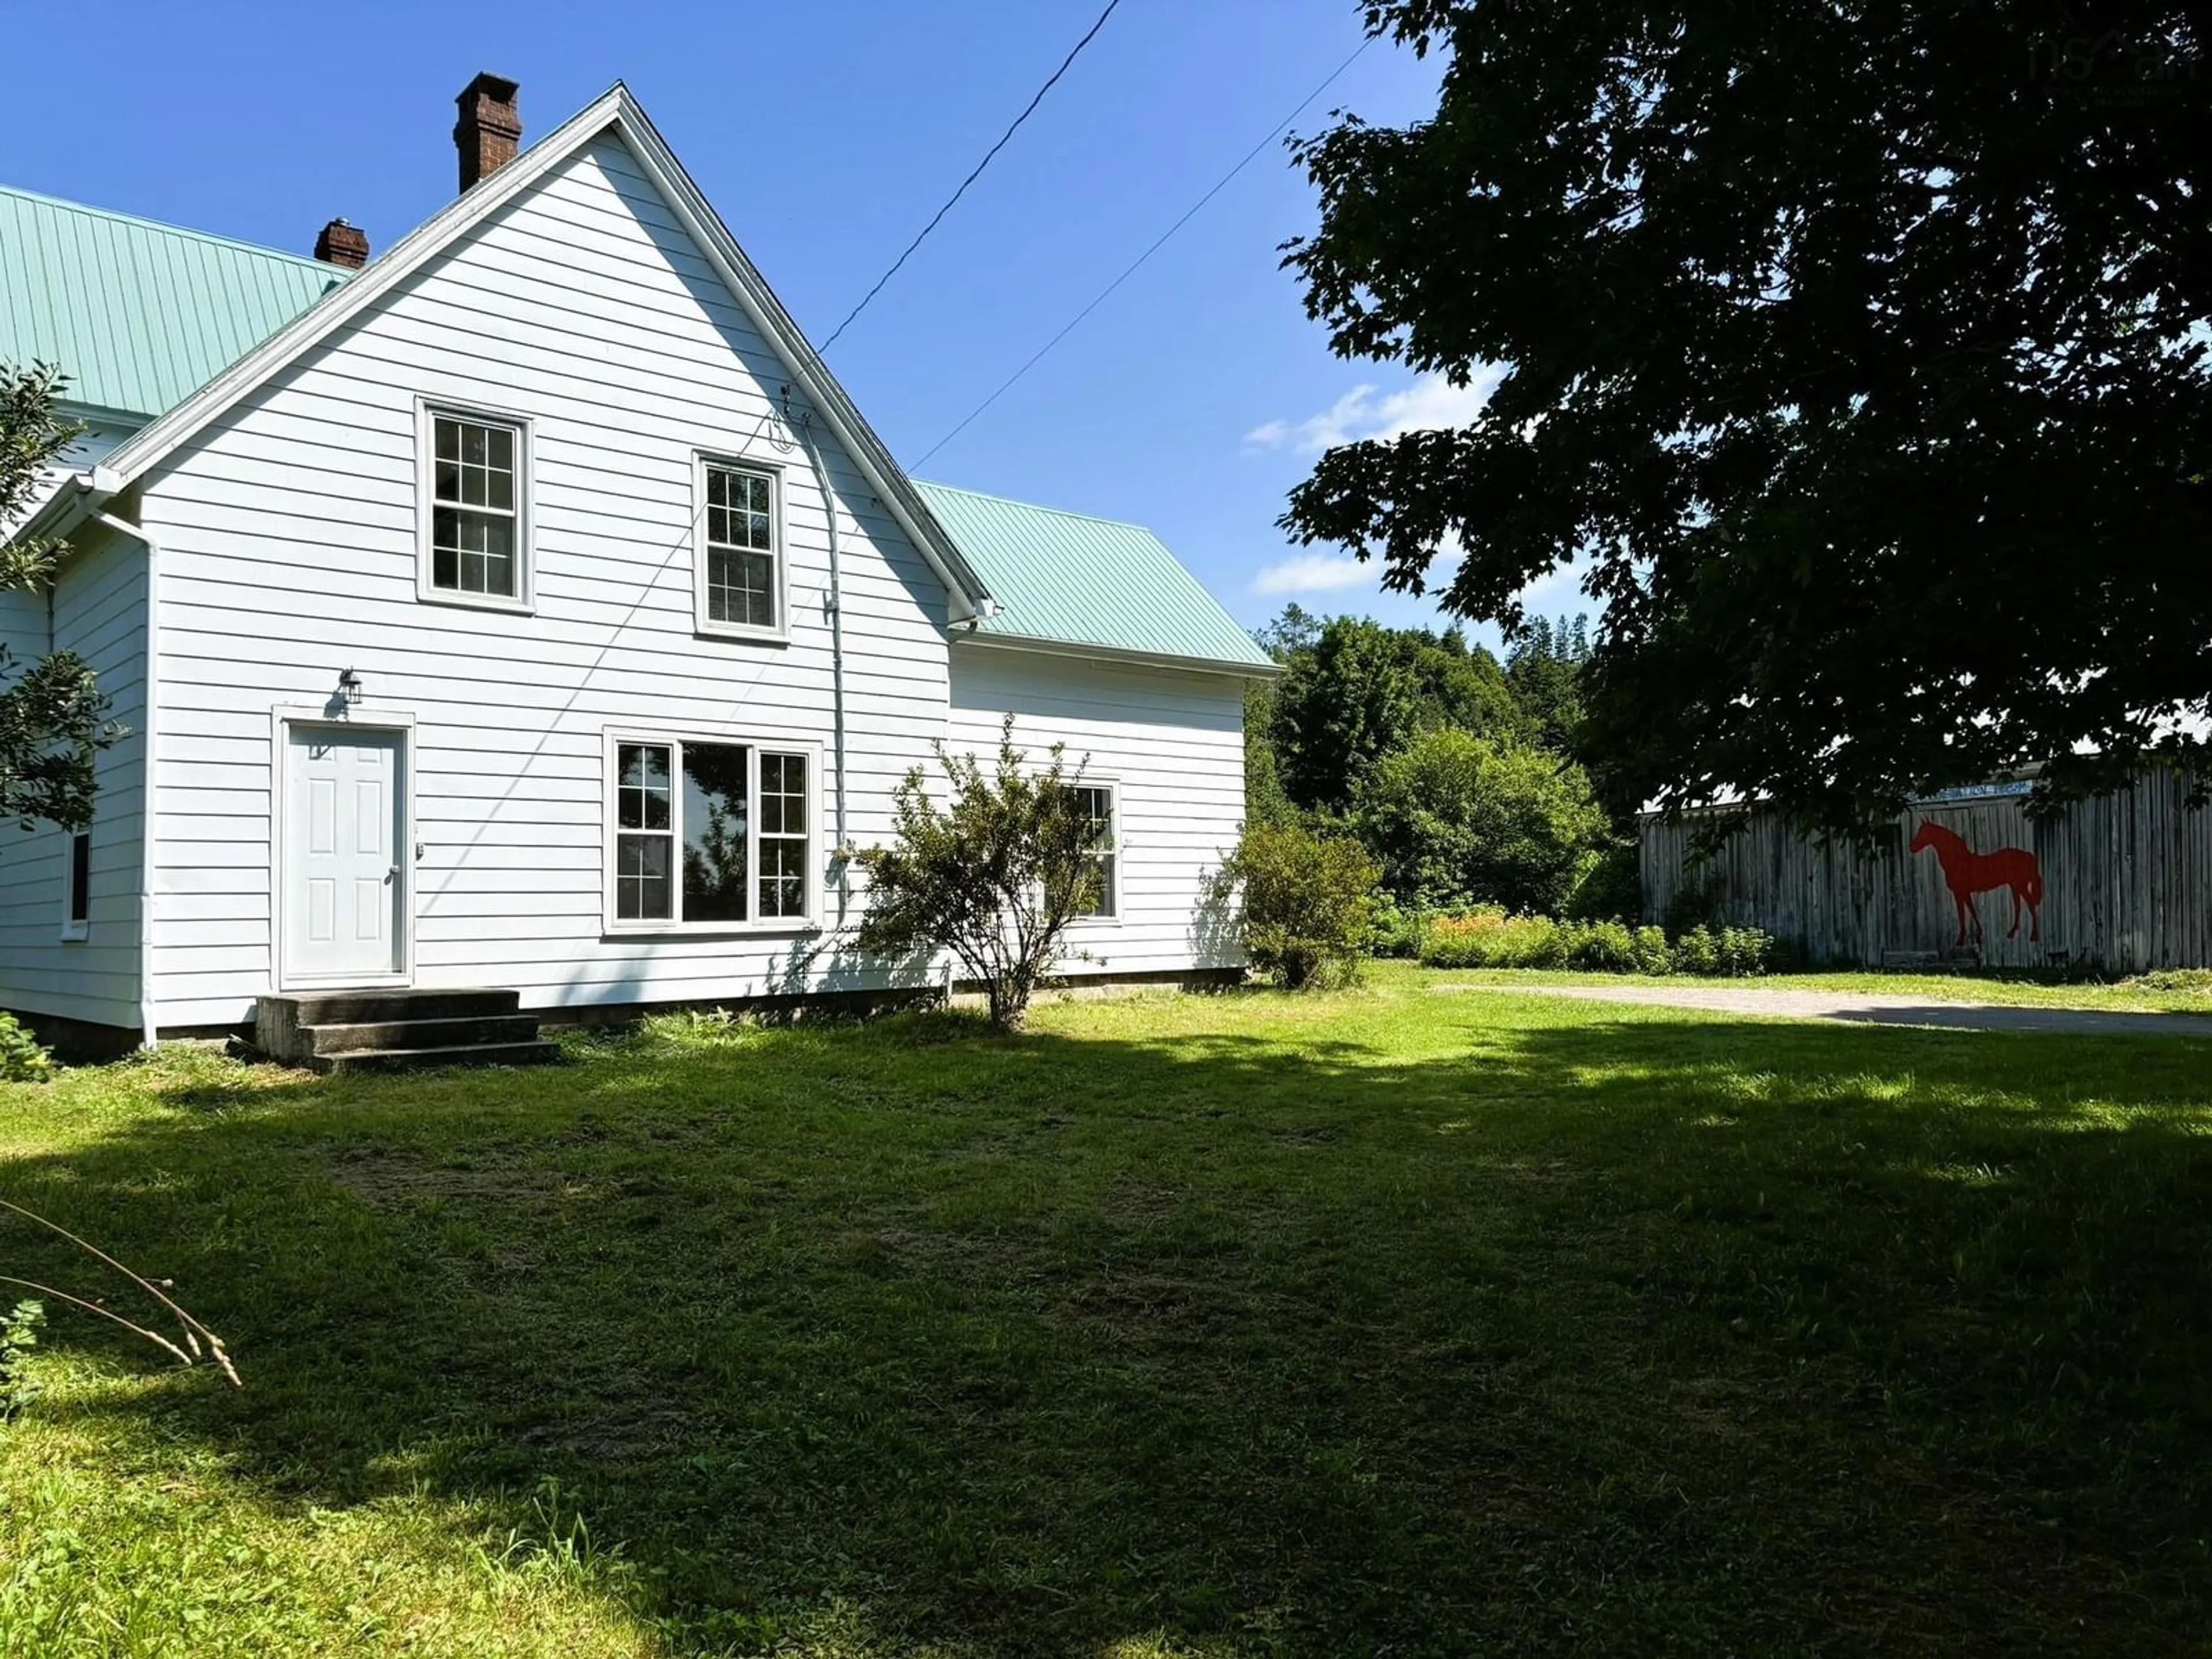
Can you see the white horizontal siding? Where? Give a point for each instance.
(1171, 743)
(289, 535)
(98, 608)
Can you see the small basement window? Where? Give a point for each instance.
(706, 834)
(476, 524)
(76, 912)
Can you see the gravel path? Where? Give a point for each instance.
(1872, 1007)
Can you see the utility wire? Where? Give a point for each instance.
(1050, 83)
(1107, 291)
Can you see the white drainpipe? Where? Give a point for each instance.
(837, 606)
(148, 1013)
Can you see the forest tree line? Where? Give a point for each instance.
(1449, 767)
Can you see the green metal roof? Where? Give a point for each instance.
(137, 315)
(1071, 580)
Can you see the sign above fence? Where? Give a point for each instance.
(1977, 792)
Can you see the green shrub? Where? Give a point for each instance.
(1396, 931)
(996, 876)
(1601, 947)
(1653, 954)
(1308, 903)
(1698, 951)
(21, 1059)
(1488, 937)
(1745, 951)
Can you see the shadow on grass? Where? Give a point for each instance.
(1624, 1333)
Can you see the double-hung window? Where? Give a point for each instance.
(1095, 801)
(738, 567)
(476, 516)
(705, 834)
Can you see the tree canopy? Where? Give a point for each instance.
(1456, 819)
(1855, 355)
(53, 716)
(1442, 765)
(1355, 691)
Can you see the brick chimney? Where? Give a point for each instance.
(489, 131)
(342, 244)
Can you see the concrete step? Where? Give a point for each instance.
(536, 1053)
(352, 1007)
(286, 1025)
(411, 1033)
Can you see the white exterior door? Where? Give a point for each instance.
(345, 868)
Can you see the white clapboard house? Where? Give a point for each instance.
(526, 611)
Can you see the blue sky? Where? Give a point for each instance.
(1191, 401)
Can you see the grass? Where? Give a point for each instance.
(1374, 1322)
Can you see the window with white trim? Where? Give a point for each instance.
(738, 570)
(707, 833)
(76, 894)
(1096, 801)
(783, 835)
(476, 508)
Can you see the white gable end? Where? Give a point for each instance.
(290, 530)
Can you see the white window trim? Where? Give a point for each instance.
(75, 928)
(778, 520)
(1119, 849)
(426, 410)
(677, 735)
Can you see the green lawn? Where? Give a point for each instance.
(1382, 1323)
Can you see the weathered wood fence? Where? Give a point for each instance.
(2124, 881)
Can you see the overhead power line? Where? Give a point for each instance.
(1051, 80)
(1107, 291)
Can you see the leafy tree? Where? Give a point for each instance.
(994, 876)
(1296, 629)
(1264, 801)
(1307, 902)
(1457, 819)
(1361, 691)
(1461, 686)
(1345, 703)
(1857, 353)
(1544, 669)
(52, 717)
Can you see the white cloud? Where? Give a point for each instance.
(1363, 412)
(1428, 402)
(1313, 573)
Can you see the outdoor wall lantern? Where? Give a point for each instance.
(349, 687)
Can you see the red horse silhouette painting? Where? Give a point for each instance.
(1967, 872)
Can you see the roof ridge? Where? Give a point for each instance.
(25, 193)
(1038, 506)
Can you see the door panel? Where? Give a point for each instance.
(345, 882)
